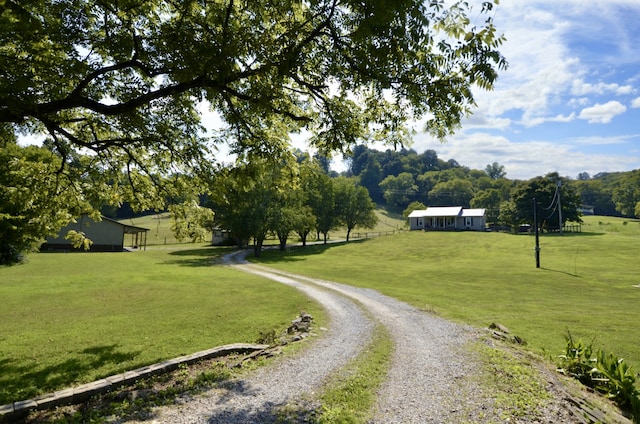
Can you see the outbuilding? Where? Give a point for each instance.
(107, 235)
(447, 218)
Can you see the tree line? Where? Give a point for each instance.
(255, 198)
(114, 90)
(399, 178)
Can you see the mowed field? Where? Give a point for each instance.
(588, 283)
(71, 318)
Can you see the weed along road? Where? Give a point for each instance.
(433, 375)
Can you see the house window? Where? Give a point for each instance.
(468, 221)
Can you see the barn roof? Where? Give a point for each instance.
(128, 229)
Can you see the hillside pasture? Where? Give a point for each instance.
(160, 233)
(588, 282)
(70, 318)
(159, 226)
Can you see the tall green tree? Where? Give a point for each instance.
(34, 201)
(124, 81)
(320, 197)
(626, 195)
(305, 221)
(247, 198)
(400, 190)
(546, 190)
(353, 207)
(495, 171)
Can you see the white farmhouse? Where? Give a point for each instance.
(447, 218)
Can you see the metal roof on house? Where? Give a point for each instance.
(443, 211)
(418, 213)
(473, 212)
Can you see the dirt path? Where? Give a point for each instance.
(432, 377)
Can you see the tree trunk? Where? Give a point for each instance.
(283, 244)
(348, 232)
(257, 248)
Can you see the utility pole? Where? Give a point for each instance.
(559, 205)
(535, 224)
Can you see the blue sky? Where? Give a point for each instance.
(570, 99)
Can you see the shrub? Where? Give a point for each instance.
(606, 374)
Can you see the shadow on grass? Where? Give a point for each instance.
(203, 256)
(297, 253)
(211, 255)
(24, 381)
(570, 274)
(564, 234)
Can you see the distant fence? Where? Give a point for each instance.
(372, 234)
(571, 228)
(567, 228)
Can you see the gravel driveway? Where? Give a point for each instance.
(430, 380)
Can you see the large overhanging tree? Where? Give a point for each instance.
(122, 81)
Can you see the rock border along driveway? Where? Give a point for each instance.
(79, 394)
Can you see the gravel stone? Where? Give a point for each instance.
(431, 379)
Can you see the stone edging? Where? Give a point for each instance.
(17, 410)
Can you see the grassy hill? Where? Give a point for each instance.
(160, 227)
(588, 282)
(71, 318)
(611, 224)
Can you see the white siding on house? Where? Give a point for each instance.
(447, 218)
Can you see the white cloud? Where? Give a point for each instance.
(635, 103)
(595, 140)
(578, 102)
(530, 158)
(547, 65)
(582, 88)
(602, 113)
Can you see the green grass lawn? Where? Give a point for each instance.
(585, 284)
(71, 318)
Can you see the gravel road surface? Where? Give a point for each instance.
(429, 380)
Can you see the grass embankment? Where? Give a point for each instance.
(72, 318)
(585, 284)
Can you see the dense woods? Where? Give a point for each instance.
(397, 178)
